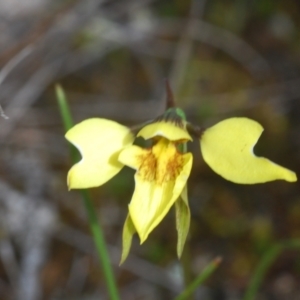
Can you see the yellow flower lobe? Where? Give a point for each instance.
(227, 148)
(99, 142)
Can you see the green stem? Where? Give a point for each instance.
(100, 246)
(91, 212)
(267, 260)
(207, 272)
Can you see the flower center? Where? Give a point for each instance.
(162, 163)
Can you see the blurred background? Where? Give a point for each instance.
(223, 58)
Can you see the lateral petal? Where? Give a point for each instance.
(227, 148)
(99, 142)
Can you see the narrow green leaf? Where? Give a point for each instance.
(207, 272)
(265, 263)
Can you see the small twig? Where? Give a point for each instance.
(185, 45)
(10, 65)
(36, 33)
(13, 62)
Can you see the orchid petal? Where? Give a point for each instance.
(168, 130)
(99, 142)
(227, 148)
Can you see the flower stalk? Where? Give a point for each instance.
(95, 227)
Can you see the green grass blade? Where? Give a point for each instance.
(207, 272)
(267, 260)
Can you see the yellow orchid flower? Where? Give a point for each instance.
(163, 169)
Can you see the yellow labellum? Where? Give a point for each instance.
(227, 148)
(99, 142)
(168, 130)
(162, 173)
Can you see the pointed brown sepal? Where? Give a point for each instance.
(170, 97)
